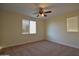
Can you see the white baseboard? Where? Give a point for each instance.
(6, 46)
(66, 44)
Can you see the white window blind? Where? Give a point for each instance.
(32, 27)
(28, 27)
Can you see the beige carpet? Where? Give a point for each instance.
(41, 48)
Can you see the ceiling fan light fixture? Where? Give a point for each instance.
(42, 14)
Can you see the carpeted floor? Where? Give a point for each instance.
(41, 48)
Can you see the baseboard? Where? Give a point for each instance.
(65, 44)
(19, 44)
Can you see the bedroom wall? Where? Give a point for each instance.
(11, 29)
(57, 30)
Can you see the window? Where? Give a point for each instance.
(28, 27)
(72, 24)
(32, 27)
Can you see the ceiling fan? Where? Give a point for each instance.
(43, 13)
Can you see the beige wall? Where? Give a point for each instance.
(11, 29)
(0, 30)
(57, 31)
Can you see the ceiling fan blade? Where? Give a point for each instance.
(37, 15)
(48, 11)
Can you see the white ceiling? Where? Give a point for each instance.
(30, 8)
